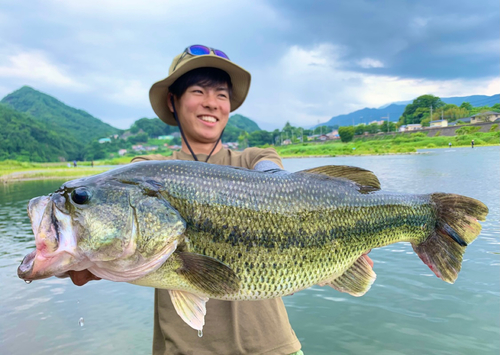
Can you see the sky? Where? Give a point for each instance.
(309, 60)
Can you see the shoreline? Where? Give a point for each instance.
(345, 155)
(31, 175)
(21, 176)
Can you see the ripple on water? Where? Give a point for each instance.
(31, 303)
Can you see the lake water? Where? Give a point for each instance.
(407, 311)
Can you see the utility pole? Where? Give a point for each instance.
(387, 122)
(431, 112)
(441, 114)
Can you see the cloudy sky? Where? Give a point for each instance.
(310, 60)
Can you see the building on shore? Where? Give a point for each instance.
(439, 123)
(410, 127)
(488, 116)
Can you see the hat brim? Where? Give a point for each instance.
(240, 79)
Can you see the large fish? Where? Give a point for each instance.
(205, 231)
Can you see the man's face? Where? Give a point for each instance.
(203, 112)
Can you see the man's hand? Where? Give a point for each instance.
(80, 278)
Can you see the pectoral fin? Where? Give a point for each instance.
(208, 274)
(356, 280)
(190, 307)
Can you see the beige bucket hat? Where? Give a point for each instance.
(184, 62)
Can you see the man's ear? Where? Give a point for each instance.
(170, 96)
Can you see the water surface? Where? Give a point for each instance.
(407, 311)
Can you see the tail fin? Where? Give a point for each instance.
(457, 226)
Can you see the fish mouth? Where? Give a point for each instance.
(24, 270)
(54, 239)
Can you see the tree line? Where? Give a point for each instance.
(27, 139)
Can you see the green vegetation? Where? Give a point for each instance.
(238, 124)
(154, 127)
(388, 144)
(81, 126)
(420, 109)
(467, 130)
(25, 139)
(38, 128)
(11, 170)
(346, 134)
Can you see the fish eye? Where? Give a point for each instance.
(80, 196)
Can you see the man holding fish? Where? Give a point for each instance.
(205, 235)
(202, 88)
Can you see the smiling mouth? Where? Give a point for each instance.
(209, 119)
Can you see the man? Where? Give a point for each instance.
(202, 88)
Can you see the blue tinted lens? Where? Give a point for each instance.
(199, 50)
(220, 54)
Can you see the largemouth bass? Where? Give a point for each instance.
(205, 231)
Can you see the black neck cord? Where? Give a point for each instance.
(184, 137)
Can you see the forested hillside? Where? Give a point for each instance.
(37, 127)
(81, 126)
(236, 125)
(24, 138)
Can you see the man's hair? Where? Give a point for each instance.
(205, 77)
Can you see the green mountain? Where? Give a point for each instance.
(235, 125)
(26, 139)
(81, 126)
(243, 123)
(38, 127)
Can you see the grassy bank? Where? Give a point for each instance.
(11, 170)
(388, 144)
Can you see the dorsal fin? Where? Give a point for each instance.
(365, 178)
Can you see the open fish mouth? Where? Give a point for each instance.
(54, 239)
(57, 233)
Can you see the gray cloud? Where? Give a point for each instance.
(102, 56)
(418, 39)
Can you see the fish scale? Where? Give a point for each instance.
(257, 221)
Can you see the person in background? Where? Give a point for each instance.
(472, 143)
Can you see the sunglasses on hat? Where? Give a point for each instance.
(198, 49)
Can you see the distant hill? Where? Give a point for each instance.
(24, 138)
(81, 126)
(474, 100)
(395, 110)
(235, 125)
(243, 123)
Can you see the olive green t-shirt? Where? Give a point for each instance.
(239, 327)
